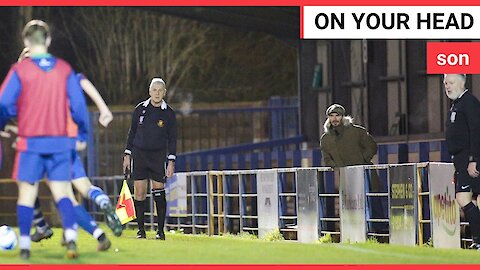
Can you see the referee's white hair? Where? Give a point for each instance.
(157, 80)
(462, 76)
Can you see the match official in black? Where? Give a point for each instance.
(463, 143)
(151, 144)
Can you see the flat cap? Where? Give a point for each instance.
(336, 108)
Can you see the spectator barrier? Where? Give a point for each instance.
(405, 204)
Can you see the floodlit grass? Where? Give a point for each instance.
(201, 249)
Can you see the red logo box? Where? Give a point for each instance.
(453, 57)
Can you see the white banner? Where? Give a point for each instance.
(176, 192)
(352, 205)
(307, 205)
(267, 201)
(444, 211)
(391, 22)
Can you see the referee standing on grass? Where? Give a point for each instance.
(151, 144)
(463, 143)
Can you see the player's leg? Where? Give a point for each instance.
(86, 222)
(139, 171)
(463, 195)
(96, 194)
(67, 213)
(28, 170)
(472, 216)
(140, 188)
(158, 193)
(83, 185)
(156, 166)
(25, 204)
(58, 168)
(157, 175)
(83, 218)
(42, 228)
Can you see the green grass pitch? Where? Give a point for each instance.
(201, 249)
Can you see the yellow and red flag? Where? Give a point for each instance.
(125, 207)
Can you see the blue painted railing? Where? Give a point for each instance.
(274, 153)
(435, 150)
(286, 153)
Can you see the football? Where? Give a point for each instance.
(8, 238)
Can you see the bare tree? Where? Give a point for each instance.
(120, 49)
(125, 48)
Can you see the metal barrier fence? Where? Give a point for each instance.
(250, 156)
(407, 204)
(264, 156)
(404, 204)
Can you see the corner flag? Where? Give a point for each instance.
(125, 208)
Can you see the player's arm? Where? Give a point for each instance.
(9, 93)
(105, 114)
(78, 107)
(24, 54)
(133, 130)
(369, 145)
(130, 137)
(9, 128)
(172, 145)
(472, 112)
(172, 138)
(327, 158)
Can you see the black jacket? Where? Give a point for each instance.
(153, 128)
(463, 126)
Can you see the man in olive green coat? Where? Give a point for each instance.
(343, 143)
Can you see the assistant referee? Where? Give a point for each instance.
(462, 136)
(151, 142)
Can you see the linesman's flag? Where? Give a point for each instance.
(125, 208)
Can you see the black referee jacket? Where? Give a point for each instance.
(153, 128)
(463, 126)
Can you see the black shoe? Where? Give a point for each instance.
(37, 236)
(72, 252)
(24, 254)
(141, 234)
(474, 246)
(113, 222)
(160, 235)
(104, 244)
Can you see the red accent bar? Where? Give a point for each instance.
(453, 57)
(301, 22)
